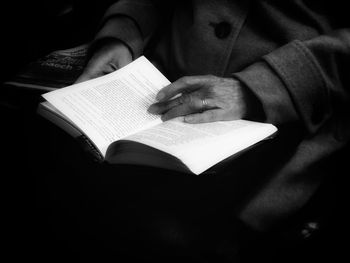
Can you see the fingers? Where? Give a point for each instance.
(193, 99)
(96, 68)
(202, 99)
(182, 85)
(107, 59)
(122, 61)
(188, 107)
(206, 116)
(161, 107)
(182, 105)
(99, 68)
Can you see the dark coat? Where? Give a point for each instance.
(293, 55)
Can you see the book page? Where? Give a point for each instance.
(200, 146)
(111, 107)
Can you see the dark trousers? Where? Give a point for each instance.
(64, 205)
(59, 205)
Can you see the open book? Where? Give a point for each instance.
(110, 113)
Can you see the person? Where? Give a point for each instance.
(281, 62)
(278, 62)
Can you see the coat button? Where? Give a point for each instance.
(222, 30)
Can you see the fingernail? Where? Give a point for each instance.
(188, 119)
(152, 109)
(160, 96)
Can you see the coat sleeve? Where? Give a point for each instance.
(303, 80)
(306, 82)
(132, 22)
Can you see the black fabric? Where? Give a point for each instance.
(62, 206)
(59, 206)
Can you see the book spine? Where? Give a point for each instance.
(89, 147)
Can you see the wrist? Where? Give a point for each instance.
(253, 107)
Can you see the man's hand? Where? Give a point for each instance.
(108, 58)
(203, 99)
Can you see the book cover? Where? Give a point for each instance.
(57, 69)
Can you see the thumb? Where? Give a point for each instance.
(92, 70)
(96, 68)
(83, 77)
